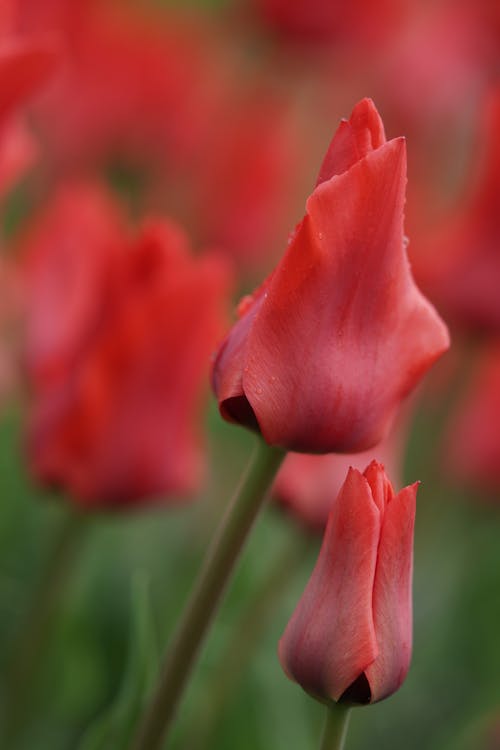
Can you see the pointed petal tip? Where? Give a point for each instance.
(374, 465)
(365, 105)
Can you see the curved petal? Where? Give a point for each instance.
(392, 602)
(355, 138)
(330, 640)
(231, 362)
(343, 333)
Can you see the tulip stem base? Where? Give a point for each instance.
(206, 596)
(335, 731)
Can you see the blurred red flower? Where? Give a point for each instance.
(248, 175)
(119, 338)
(472, 443)
(139, 86)
(335, 338)
(350, 637)
(307, 485)
(461, 268)
(70, 256)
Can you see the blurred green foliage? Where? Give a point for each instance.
(447, 701)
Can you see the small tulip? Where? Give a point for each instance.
(69, 253)
(350, 637)
(335, 338)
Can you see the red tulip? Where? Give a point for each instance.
(118, 385)
(335, 338)
(350, 636)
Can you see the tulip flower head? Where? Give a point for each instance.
(335, 338)
(118, 388)
(350, 637)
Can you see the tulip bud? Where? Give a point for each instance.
(335, 338)
(350, 636)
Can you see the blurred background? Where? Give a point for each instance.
(154, 157)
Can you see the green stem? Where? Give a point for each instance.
(252, 622)
(34, 629)
(207, 593)
(335, 731)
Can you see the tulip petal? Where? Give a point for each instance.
(118, 390)
(380, 486)
(392, 604)
(330, 640)
(355, 138)
(331, 361)
(231, 362)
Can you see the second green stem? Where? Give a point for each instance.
(335, 731)
(207, 593)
